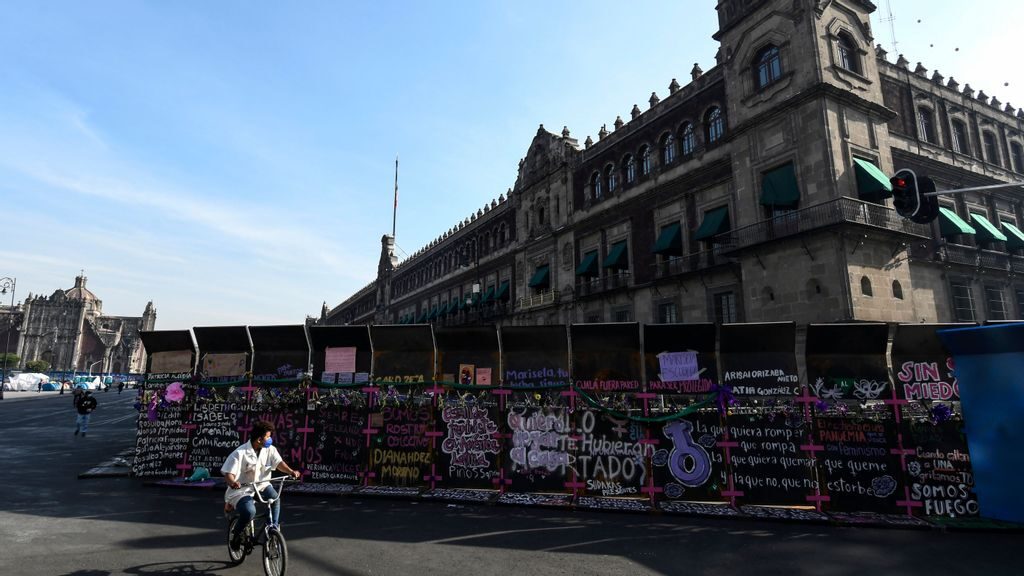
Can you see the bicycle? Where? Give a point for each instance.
(275, 551)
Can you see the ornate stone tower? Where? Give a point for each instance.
(804, 110)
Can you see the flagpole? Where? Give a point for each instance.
(394, 213)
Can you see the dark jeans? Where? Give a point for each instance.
(246, 508)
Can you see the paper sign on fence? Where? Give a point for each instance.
(678, 366)
(340, 359)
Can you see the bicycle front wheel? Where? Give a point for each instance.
(275, 554)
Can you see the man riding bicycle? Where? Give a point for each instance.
(253, 462)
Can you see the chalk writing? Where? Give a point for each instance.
(536, 377)
(402, 452)
(469, 449)
(216, 434)
(610, 457)
(339, 444)
(539, 453)
(762, 374)
(857, 469)
(768, 465)
(939, 471)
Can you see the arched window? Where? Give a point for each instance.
(668, 149)
(595, 184)
(689, 140)
(897, 290)
(925, 124)
(865, 286)
(541, 216)
(630, 165)
(767, 66)
(1017, 156)
(645, 160)
(611, 177)
(846, 50)
(714, 125)
(961, 144)
(991, 148)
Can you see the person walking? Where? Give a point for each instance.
(84, 404)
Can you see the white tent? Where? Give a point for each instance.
(25, 381)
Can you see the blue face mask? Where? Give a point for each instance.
(268, 442)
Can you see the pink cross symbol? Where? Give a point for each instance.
(806, 399)
(501, 394)
(646, 397)
(501, 482)
(896, 403)
(433, 478)
(817, 499)
(371, 395)
(908, 502)
(732, 493)
(369, 432)
(572, 397)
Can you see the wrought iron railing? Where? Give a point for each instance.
(967, 256)
(542, 299)
(588, 286)
(688, 263)
(840, 211)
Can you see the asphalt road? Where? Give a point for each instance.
(52, 523)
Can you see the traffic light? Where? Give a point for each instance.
(908, 197)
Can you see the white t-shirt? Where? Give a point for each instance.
(248, 466)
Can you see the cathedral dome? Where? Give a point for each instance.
(80, 292)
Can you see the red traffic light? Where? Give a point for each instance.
(901, 182)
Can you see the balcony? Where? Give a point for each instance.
(968, 256)
(537, 300)
(590, 286)
(689, 263)
(831, 213)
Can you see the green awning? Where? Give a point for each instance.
(453, 306)
(872, 184)
(488, 296)
(541, 278)
(433, 313)
(442, 309)
(715, 222)
(670, 241)
(986, 231)
(422, 317)
(1014, 237)
(617, 258)
(588, 266)
(503, 292)
(779, 189)
(950, 224)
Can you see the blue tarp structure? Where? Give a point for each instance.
(989, 364)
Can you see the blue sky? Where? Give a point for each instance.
(233, 161)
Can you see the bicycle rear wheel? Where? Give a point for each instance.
(238, 555)
(275, 554)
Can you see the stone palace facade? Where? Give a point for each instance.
(756, 192)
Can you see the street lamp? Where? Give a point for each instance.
(6, 284)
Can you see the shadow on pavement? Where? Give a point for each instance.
(187, 567)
